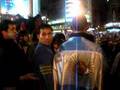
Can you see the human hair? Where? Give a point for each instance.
(43, 26)
(79, 23)
(4, 25)
(59, 38)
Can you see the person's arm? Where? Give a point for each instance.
(28, 76)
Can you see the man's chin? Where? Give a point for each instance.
(47, 44)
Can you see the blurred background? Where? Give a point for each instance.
(101, 14)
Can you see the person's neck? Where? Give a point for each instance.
(44, 44)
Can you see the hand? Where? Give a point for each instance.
(29, 76)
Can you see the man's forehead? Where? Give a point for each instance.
(46, 30)
(11, 24)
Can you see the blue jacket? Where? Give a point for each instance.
(43, 64)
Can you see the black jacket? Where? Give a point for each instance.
(13, 63)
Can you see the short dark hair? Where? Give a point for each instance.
(43, 26)
(4, 25)
(79, 23)
(59, 38)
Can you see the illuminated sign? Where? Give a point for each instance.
(77, 7)
(15, 7)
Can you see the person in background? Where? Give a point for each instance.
(13, 63)
(43, 57)
(115, 74)
(37, 24)
(83, 31)
(58, 39)
(78, 65)
(23, 40)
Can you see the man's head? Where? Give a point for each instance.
(58, 39)
(8, 29)
(79, 23)
(45, 35)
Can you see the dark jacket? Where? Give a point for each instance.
(13, 63)
(87, 36)
(43, 60)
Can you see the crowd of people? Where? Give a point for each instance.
(31, 58)
(27, 48)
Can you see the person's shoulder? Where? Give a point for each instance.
(88, 36)
(40, 48)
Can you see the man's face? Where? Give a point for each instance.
(12, 31)
(45, 36)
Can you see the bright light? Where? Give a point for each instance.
(56, 31)
(35, 7)
(43, 17)
(12, 19)
(113, 30)
(88, 17)
(3, 11)
(57, 21)
(19, 7)
(91, 29)
(74, 8)
(112, 24)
